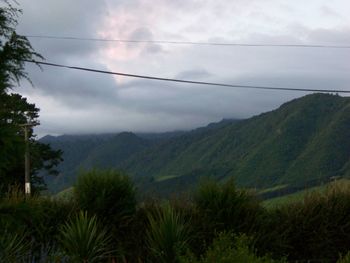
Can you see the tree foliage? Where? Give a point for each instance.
(15, 110)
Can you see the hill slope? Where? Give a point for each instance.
(305, 140)
(302, 142)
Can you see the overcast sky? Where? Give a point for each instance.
(81, 102)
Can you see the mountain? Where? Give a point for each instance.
(303, 142)
(82, 152)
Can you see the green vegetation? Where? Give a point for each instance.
(84, 240)
(227, 248)
(163, 178)
(168, 235)
(273, 189)
(108, 194)
(304, 142)
(223, 207)
(217, 223)
(13, 247)
(66, 194)
(300, 195)
(15, 110)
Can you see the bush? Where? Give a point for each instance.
(40, 218)
(316, 228)
(108, 194)
(224, 208)
(227, 248)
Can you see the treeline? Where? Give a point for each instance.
(104, 222)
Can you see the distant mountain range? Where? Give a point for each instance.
(304, 141)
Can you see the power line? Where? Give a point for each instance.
(183, 80)
(187, 42)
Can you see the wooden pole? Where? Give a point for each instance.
(27, 186)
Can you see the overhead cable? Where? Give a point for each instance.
(189, 42)
(183, 80)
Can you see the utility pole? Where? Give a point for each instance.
(27, 185)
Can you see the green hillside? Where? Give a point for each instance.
(95, 151)
(114, 151)
(299, 196)
(302, 143)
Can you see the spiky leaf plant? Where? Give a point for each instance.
(168, 234)
(345, 259)
(13, 247)
(84, 240)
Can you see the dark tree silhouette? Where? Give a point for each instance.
(16, 110)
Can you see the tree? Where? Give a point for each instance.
(16, 110)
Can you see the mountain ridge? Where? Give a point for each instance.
(304, 140)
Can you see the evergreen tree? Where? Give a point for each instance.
(16, 110)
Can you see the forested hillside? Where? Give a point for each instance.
(302, 142)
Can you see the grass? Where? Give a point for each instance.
(165, 177)
(66, 194)
(300, 195)
(272, 189)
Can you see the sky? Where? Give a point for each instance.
(74, 102)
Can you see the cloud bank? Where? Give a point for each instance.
(80, 102)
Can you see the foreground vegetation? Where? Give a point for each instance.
(104, 222)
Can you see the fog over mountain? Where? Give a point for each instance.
(81, 102)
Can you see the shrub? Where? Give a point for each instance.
(317, 228)
(167, 235)
(108, 194)
(224, 208)
(39, 216)
(227, 248)
(83, 240)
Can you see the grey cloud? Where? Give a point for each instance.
(326, 10)
(98, 103)
(73, 88)
(65, 17)
(194, 74)
(152, 49)
(143, 33)
(62, 18)
(217, 102)
(335, 36)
